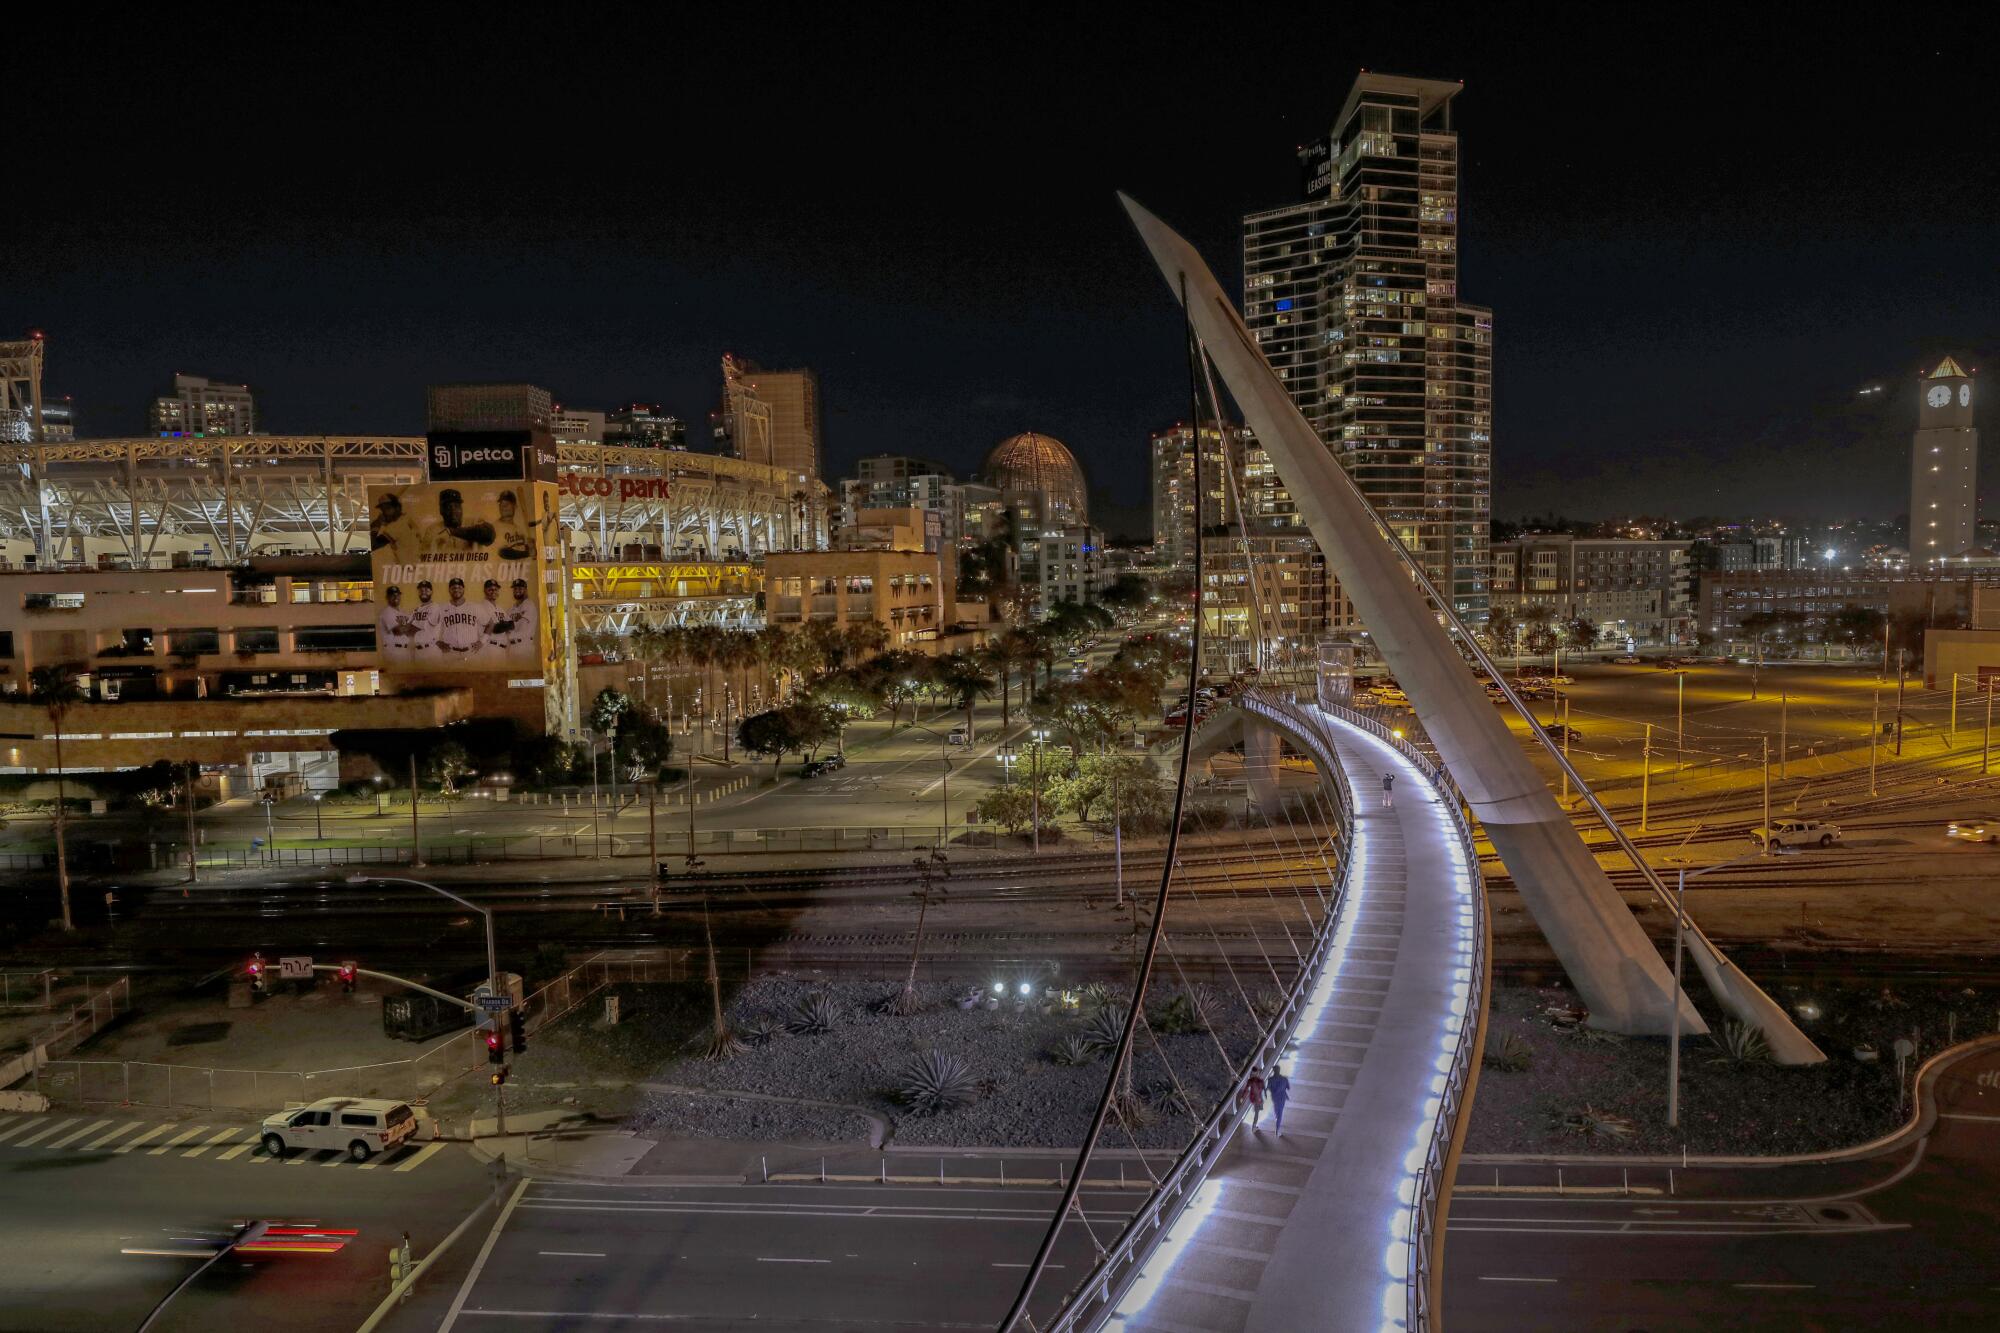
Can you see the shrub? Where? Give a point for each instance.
(722, 1043)
(1096, 996)
(1073, 1048)
(1266, 1003)
(815, 1014)
(935, 1081)
(1180, 1016)
(761, 1031)
(1104, 1028)
(1740, 1044)
(1513, 1055)
(1590, 1036)
(1591, 1123)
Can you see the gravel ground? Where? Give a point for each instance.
(719, 1116)
(1028, 1102)
(1726, 1107)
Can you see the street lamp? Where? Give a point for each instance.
(1680, 926)
(270, 826)
(492, 959)
(379, 781)
(319, 829)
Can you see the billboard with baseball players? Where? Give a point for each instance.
(467, 576)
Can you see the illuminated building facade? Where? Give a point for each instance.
(1352, 295)
(1944, 467)
(198, 406)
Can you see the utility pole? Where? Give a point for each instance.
(653, 836)
(1674, 1048)
(1645, 774)
(1117, 836)
(1987, 683)
(1874, 736)
(1680, 708)
(192, 770)
(1954, 710)
(1767, 795)
(1884, 673)
(1784, 729)
(416, 843)
(1902, 673)
(1564, 724)
(1035, 795)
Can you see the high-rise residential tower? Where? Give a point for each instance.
(1944, 467)
(771, 416)
(1174, 498)
(1353, 296)
(198, 407)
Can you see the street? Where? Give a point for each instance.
(68, 1209)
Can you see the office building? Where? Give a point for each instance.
(1264, 595)
(770, 416)
(198, 406)
(571, 425)
(644, 426)
(1069, 564)
(1634, 591)
(1944, 467)
(1353, 296)
(1811, 597)
(906, 592)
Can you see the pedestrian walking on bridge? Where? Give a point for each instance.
(1281, 1091)
(1253, 1093)
(1388, 790)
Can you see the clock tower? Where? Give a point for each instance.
(1944, 466)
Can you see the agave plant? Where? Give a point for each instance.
(761, 1031)
(1103, 1029)
(1266, 1003)
(1164, 1096)
(1590, 1036)
(1073, 1048)
(1740, 1044)
(934, 1081)
(1181, 1015)
(1512, 1056)
(815, 1014)
(722, 1043)
(1132, 1110)
(1591, 1123)
(902, 1004)
(1096, 996)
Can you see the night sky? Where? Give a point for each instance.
(1700, 239)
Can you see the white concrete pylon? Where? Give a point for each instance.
(1617, 972)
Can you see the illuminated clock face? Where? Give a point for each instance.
(1965, 395)
(1939, 396)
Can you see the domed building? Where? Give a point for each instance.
(1038, 476)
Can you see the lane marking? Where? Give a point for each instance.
(1773, 1286)
(479, 1264)
(423, 1155)
(1967, 1115)
(872, 1215)
(18, 1126)
(44, 1132)
(1517, 1279)
(572, 1254)
(149, 1135)
(1000, 1265)
(177, 1140)
(103, 1139)
(794, 1261)
(75, 1134)
(220, 1136)
(238, 1151)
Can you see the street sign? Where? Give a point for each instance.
(495, 1004)
(295, 968)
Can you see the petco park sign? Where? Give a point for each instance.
(618, 488)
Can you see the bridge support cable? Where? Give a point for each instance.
(1123, 1054)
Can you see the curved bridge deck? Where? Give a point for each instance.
(1313, 1230)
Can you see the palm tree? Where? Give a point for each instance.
(959, 677)
(54, 688)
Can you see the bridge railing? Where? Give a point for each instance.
(1451, 1102)
(1118, 1264)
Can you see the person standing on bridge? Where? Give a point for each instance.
(1253, 1093)
(1281, 1091)
(1388, 790)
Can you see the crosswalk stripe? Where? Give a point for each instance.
(221, 1135)
(149, 1135)
(423, 1155)
(241, 1148)
(19, 1125)
(305, 1155)
(76, 1134)
(339, 1159)
(177, 1140)
(44, 1133)
(119, 1132)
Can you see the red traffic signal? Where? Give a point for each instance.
(494, 1054)
(347, 975)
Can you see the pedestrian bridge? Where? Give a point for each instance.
(1333, 1226)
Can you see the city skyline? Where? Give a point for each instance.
(993, 291)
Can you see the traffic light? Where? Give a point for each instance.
(255, 971)
(494, 1054)
(517, 1027)
(347, 975)
(498, 1076)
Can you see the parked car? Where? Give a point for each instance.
(357, 1126)
(1667, 663)
(1558, 731)
(1535, 690)
(1626, 659)
(1561, 680)
(959, 735)
(812, 768)
(832, 763)
(1974, 828)
(1798, 833)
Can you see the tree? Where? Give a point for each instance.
(607, 708)
(896, 678)
(54, 689)
(1011, 807)
(446, 764)
(1127, 593)
(645, 743)
(959, 678)
(1581, 630)
(1538, 634)
(545, 760)
(1128, 785)
(932, 872)
(795, 728)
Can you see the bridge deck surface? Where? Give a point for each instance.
(1308, 1230)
